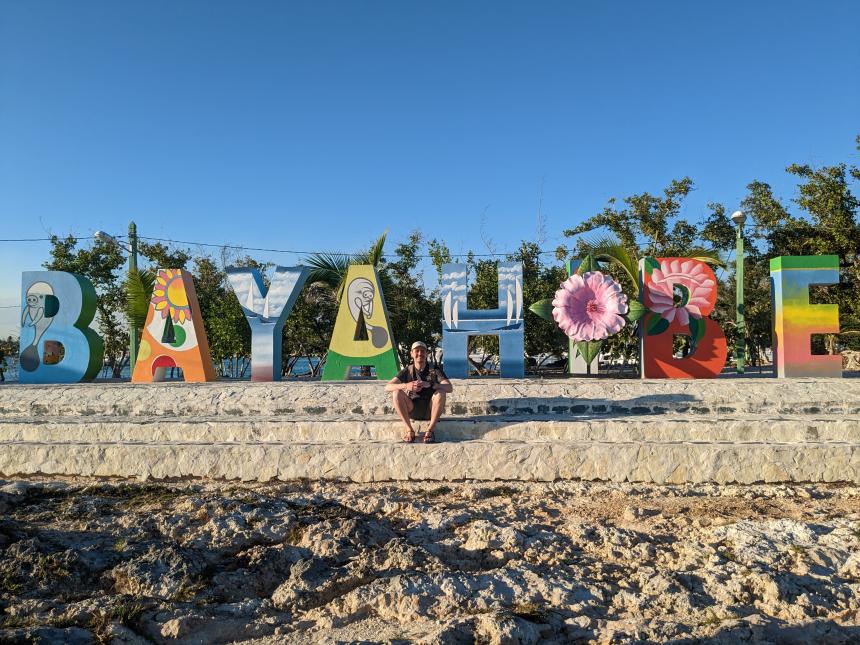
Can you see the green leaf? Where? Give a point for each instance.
(588, 264)
(542, 308)
(655, 324)
(588, 349)
(609, 249)
(138, 293)
(636, 311)
(650, 265)
(330, 268)
(697, 330)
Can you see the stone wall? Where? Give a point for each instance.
(726, 430)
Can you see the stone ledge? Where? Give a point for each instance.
(316, 429)
(729, 396)
(729, 430)
(475, 460)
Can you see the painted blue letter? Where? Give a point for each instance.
(459, 322)
(56, 343)
(267, 312)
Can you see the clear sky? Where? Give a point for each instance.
(317, 125)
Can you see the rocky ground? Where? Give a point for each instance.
(110, 561)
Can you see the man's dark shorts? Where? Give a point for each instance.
(421, 409)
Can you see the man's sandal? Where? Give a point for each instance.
(409, 437)
(429, 437)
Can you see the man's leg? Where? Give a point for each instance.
(403, 405)
(436, 410)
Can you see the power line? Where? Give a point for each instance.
(249, 248)
(266, 250)
(47, 239)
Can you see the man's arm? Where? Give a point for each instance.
(396, 384)
(443, 385)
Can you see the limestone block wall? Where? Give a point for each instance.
(727, 430)
(556, 397)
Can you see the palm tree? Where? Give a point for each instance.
(138, 293)
(330, 268)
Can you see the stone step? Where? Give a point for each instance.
(471, 397)
(727, 430)
(351, 428)
(364, 461)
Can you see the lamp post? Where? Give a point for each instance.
(132, 266)
(740, 349)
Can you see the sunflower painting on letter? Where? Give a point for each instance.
(170, 297)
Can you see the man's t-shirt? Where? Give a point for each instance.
(432, 375)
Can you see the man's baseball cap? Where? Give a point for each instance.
(418, 343)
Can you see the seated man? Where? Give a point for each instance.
(419, 393)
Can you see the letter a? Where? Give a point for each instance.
(362, 333)
(56, 343)
(173, 335)
(795, 320)
(267, 311)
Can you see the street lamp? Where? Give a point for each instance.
(740, 349)
(132, 266)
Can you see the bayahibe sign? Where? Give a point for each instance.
(676, 296)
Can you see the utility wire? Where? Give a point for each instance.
(253, 248)
(265, 250)
(47, 239)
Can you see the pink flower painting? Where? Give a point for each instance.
(589, 306)
(695, 289)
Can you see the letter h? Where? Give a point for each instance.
(506, 321)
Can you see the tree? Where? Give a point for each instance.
(307, 332)
(414, 315)
(330, 269)
(543, 339)
(8, 349)
(827, 225)
(227, 329)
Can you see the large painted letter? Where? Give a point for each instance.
(506, 321)
(362, 333)
(679, 294)
(267, 311)
(173, 335)
(795, 320)
(56, 343)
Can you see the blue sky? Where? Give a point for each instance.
(317, 125)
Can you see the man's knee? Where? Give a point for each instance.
(401, 400)
(439, 398)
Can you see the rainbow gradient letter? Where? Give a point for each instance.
(795, 320)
